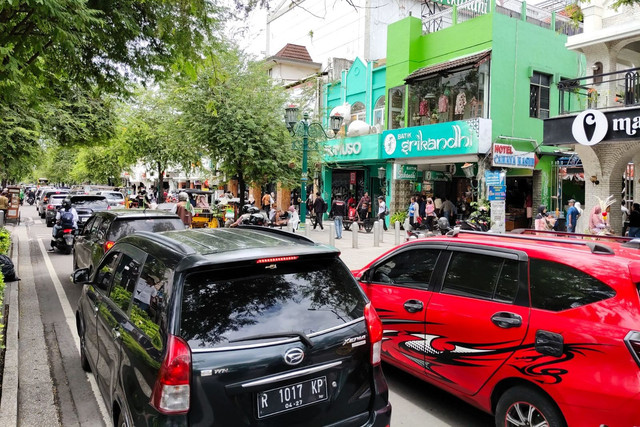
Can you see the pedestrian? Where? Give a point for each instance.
(580, 223)
(625, 216)
(338, 212)
(572, 217)
(363, 206)
(430, 211)
(449, 210)
(319, 208)
(437, 203)
(634, 221)
(528, 204)
(543, 222)
(382, 212)
(597, 224)
(413, 211)
(422, 205)
(4, 202)
(294, 218)
(184, 209)
(266, 204)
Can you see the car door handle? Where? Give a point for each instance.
(506, 320)
(115, 333)
(413, 305)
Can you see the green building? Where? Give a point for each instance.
(473, 94)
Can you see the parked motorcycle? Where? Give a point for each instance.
(64, 240)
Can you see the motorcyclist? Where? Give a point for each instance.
(250, 215)
(67, 217)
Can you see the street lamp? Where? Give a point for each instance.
(306, 128)
(470, 174)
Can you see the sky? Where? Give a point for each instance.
(250, 33)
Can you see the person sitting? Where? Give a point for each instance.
(201, 202)
(543, 220)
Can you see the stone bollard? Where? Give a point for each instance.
(381, 230)
(396, 228)
(307, 228)
(354, 236)
(376, 234)
(332, 237)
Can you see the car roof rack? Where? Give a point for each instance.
(278, 231)
(165, 241)
(595, 246)
(605, 237)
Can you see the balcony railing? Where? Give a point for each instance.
(601, 91)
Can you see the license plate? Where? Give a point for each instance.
(292, 396)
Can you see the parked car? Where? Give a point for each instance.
(114, 198)
(104, 228)
(86, 205)
(248, 326)
(41, 204)
(536, 330)
(53, 206)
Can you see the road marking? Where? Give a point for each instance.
(71, 323)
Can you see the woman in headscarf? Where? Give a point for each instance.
(580, 224)
(596, 222)
(543, 222)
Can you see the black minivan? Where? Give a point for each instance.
(231, 327)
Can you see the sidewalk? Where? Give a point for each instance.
(354, 258)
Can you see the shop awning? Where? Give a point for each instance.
(475, 59)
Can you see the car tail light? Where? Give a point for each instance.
(171, 393)
(374, 326)
(108, 245)
(632, 340)
(50, 207)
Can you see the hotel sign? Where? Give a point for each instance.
(504, 155)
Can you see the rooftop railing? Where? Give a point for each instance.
(617, 89)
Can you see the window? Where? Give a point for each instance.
(539, 95)
(409, 268)
(482, 276)
(396, 108)
(378, 115)
(87, 226)
(358, 111)
(104, 227)
(149, 299)
(105, 272)
(558, 287)
(219, 307)
(124, 282)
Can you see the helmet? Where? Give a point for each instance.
(245, 209)
(443, 223)
(183, 197)
(66, 204)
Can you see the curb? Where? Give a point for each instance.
(9, 401)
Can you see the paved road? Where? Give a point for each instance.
(415, 403)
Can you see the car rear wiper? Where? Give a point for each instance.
(305, 339)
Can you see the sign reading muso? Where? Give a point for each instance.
(479, 6)
(407, 172)
(504, 155)
(352, 149)
(443, 139)
(591, 127)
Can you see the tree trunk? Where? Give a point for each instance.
(160, 188)
(241, 186)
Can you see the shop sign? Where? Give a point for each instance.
(352, 178)
(498, 216)
(592, 126)
(407, 172)
(352, 149)
(496, 192)
(436, 176)
(442, 139)
(504, 155)
(493, 178)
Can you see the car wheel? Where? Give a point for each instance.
(84, 362)
(525, 406)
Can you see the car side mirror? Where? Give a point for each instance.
(363, 276)
(80, 276)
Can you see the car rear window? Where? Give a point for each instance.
(91, 204)
(123, 227)
(236, 303)
(57, 200)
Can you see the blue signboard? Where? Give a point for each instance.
(493, 178)
(496, 192)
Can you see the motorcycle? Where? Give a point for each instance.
(64, 240)
(31, 200)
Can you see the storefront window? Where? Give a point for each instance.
(396, 107)
(449, 96)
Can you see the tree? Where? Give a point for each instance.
(235, 112)
(152, 134)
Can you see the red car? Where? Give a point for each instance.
(537, 330)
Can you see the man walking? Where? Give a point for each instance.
(572, 217)
(382, 212)
(319, 208)
(338, 212)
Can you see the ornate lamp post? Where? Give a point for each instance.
(305, 128)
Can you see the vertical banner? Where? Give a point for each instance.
(498, 216)
(352, 177)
